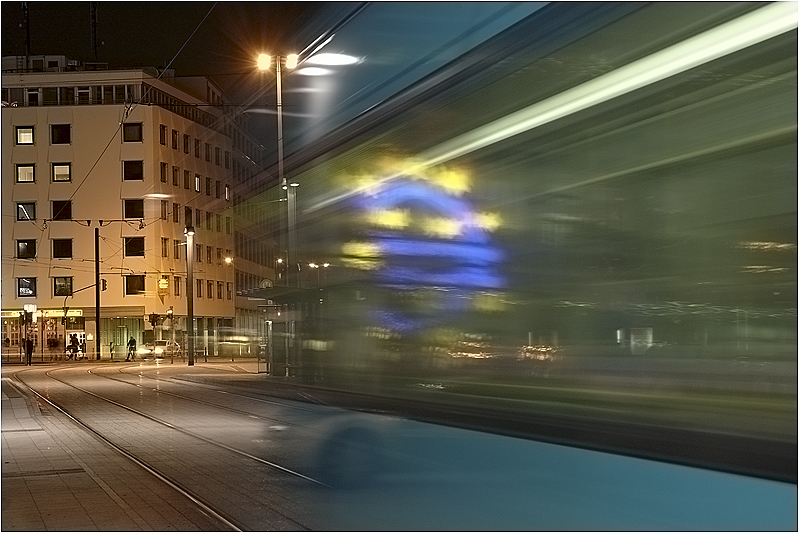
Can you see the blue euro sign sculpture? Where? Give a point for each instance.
(454, 266)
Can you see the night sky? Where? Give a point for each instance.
(142, 34)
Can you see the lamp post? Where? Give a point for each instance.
(30, 318)
(171, 327)
(290, 62)
(190, 291)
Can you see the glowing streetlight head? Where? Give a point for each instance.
(228, 260)
(314, 71)
(332, 59)
(263, 61)
(291, 61)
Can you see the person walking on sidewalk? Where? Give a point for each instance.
(28, 350)
(131, 350)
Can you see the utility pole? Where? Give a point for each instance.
(189, 231)
(97, 289)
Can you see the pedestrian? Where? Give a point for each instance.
(72, 348)
(131, 350)
(29, 349)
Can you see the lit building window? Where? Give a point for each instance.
(26, 173)
(24, 135)
(62, 286)
(26, 248)
(62, 172)
(26, 287)
(26, 211)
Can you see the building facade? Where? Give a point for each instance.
(133, 157)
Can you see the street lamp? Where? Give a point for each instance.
(290, 62)
(318, 266)
(189, 232)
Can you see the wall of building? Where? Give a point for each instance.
(184, 166)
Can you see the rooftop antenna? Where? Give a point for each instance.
(26, 23)
(93, 28)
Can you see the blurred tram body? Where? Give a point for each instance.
(547, 226)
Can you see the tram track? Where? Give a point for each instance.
(203, 503)
(205, 402)
(273, 401)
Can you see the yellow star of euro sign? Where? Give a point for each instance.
(488, 221)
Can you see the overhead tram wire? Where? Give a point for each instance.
(133, 106)
(119, 126)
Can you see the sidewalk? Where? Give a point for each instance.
(58, 476)
(246, 363)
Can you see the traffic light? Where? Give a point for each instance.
(104, 285)
(23, 316)
(153, 319)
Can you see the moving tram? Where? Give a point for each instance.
(583, 231)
